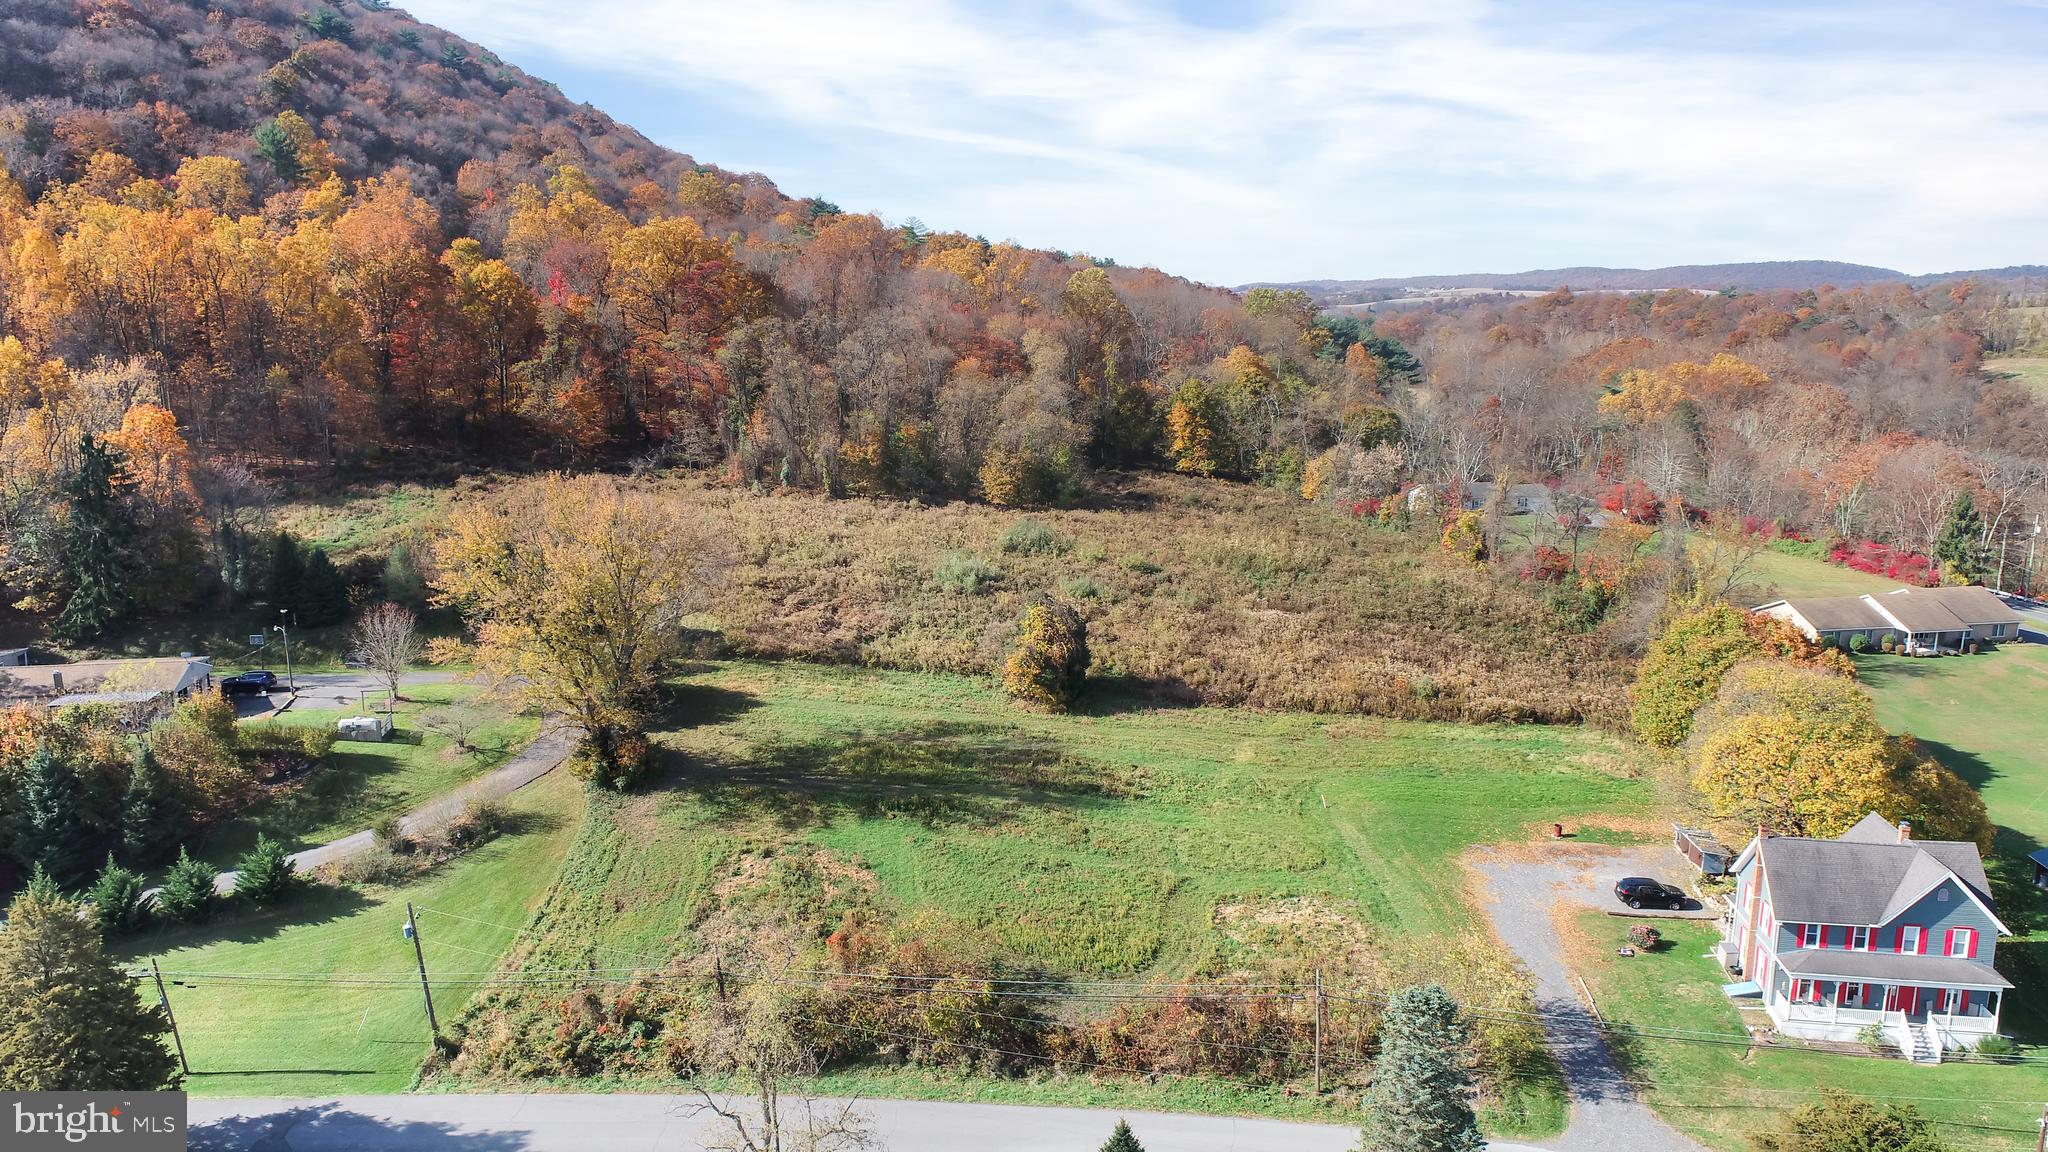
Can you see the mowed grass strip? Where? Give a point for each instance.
(257, 1017)
(360, 783)
(1096, 844)
(1722, 1093)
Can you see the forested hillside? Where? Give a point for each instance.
(251, 245)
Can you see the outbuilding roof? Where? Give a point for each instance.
(110, 681)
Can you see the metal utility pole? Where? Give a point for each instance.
(164, 998)
(412, 932)
(291, 681)
(1319, 1030)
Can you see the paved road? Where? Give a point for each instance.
(1606, 1112)
(604, 1123)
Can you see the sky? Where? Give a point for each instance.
(1283, 140)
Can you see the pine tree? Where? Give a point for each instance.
(116, 898)
(151, 817)
(323, 594)
(70, 1020)
(49, 835)
(1121, 1140)
(1960, 547)
(277, 147)
(188, 893)
(1421, 1095)
(265, 873)
(285, 576)
(97, 538)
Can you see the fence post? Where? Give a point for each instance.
(1319, 1030)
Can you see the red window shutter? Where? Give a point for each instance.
(1973, 942)
(1948, 944)
(1899, 938)
(1923, 941)
(1822, 929)
(1802, 935)
(1964, 1007)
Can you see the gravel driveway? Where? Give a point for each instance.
(1606, 1112)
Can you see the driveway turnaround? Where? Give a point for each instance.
(671, 1123)
(1606, 1112)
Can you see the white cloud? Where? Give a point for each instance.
(1363, 138)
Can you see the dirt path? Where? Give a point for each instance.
(1606, 1112)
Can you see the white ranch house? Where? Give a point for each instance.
(1925, 620)
(1873, 928)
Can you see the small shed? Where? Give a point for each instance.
(1699, 847)
(2039, 858)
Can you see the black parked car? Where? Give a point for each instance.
(257, 683)
(1643, 892)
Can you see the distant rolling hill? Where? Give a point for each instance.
(1767, 275)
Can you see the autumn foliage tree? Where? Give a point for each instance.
(575, 590)
(1048, 664)
(1800, 750)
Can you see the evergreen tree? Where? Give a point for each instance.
(403, 583)
(70, 1020)
(1421, 1094)
(323, 593)
(265, 873)
(285, 575)
(40, 883)
(188, 894)
(1121, 1140)
(49, 836)
(116, 898)
(151, 817)
(1960, 547)
(277, 148)
(97, 539)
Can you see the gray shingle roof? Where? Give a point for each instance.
(1892, 967)
(1971, 604)
(1840, 614)
(1861, 879)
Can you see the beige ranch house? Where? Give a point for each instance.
(1926, 621)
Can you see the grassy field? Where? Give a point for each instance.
(1193, 589)
(1721, 1092)
(2031, 370)
(1787, 575)
(360, 783)
(248, 1031)
(1130, 841)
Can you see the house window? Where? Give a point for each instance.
(1859, 939)
(1941, 895)
(1962, 942)
(1909, 938)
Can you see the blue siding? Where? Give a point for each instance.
(1938, 916)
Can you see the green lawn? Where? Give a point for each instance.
(1132, 841)
(2031, 370)
(1802, 576)
(272, 1034)
(1720, 1092)
(360, 783)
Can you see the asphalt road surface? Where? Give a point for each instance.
(647, 1123)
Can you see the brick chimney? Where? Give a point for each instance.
(1905, 831)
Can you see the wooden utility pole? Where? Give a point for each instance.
(1319, 1030)
(164, 998)
(412, 929)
